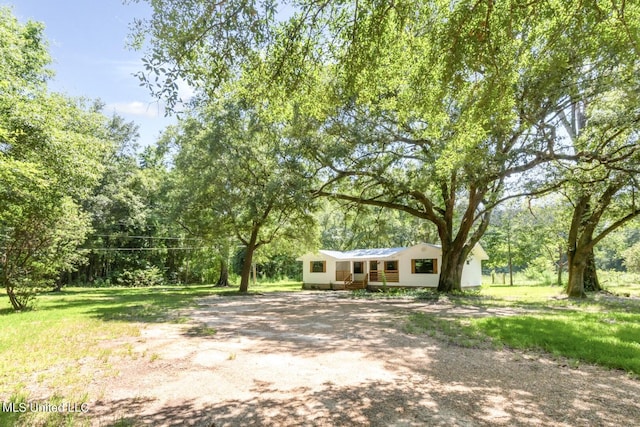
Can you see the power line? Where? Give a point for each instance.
(121, 236)
(134, 249)
(144, 249)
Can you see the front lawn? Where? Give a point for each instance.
(602, 329)
(47, 346)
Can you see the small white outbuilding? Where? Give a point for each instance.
(415, 266)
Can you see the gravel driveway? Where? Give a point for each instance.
(320, 359)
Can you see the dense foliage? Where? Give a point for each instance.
(440, 110)
(50, 148)
(341, 124)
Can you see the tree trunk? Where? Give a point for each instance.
(223, 280)
(559, 265)
(577, 265)
(245, 275)
(451, 271)
(510, 262)
(591, 282)
(17, 305)
(510, 267)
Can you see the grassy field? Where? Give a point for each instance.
(602, 329)
(47, 345)
(616, 282)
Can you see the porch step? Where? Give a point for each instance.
(355, 285)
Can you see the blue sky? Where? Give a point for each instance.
(87, 41)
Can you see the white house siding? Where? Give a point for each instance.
(418, 252)
(318, 280)
(471, 273)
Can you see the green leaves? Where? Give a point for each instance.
(237, 175)
(24, 55)
(51, 149)
(430, 108)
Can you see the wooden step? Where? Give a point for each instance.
(355, 285)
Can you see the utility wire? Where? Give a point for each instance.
(121, 236)
(135, 249)
(145, 249)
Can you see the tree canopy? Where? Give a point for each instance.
(50, 149)
(429, 108)
(402, 120)
(236, 174)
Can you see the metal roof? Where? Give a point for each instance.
(378, 253)
(363, 253)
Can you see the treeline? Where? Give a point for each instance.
(443, 111)
(530, 236)
(344, 125)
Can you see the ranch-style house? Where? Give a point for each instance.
(416, 266)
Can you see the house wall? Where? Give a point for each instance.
(418, 280)
(472, 272)
(318, 280)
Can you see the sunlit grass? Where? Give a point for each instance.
(277, 286)
(610, 339)
(46, 347)
(617, 282)
(68, 326)
(620, 283)
(603, 328)
(48, 339)
(529, 293)
(454, 332)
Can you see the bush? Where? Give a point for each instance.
(150, 276)
(632, 258)
(541, 270)
(25, 293)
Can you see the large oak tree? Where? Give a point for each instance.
(431, 108)
(236, 176)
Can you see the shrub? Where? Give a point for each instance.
(149, 276)
(632, 258)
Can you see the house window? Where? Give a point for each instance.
(357, 267)
(391, 266)
(373, 265)
(318, 266)
(424, 266)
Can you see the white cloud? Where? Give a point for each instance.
(137, 108)
(127, 68)
(185, 92)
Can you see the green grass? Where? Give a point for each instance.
(620, 283)
(610, 339)
(262, 287)
(43, 346)
(65, 328)
(278, 286)
(602, 329)
(617, 282)
(523, 293)
(452, 331)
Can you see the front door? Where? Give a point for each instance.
(373, 271)
(358, 271)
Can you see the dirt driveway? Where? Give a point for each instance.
(319, 359)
